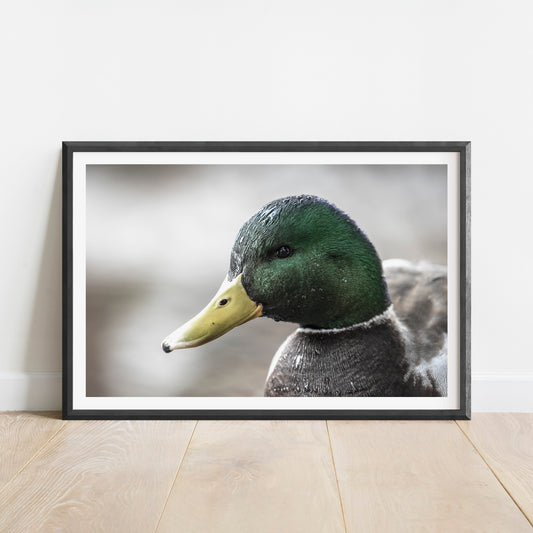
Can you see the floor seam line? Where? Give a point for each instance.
(33, 456)
(336, 477)
(175, 477)
(492, 471)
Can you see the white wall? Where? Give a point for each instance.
(266, 70)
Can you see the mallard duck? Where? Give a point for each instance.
(366, 328)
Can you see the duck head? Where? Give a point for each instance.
(298, 259)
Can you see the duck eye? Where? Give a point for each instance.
(283, 251)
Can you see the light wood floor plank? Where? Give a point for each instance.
(97, 476)
(255, 476)
(505, 440)
(21, 436)
(417, 476)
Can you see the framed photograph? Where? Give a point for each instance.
(266, 280)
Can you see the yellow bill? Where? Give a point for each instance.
(229, 308)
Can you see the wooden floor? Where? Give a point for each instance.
(265, 476)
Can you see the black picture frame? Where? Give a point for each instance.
(461, 148)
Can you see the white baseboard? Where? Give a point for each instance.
(491, 392)
(502, 392)
(30, 391)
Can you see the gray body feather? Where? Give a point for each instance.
(399, 353)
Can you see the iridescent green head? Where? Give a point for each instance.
(298, 259)
(306, 261)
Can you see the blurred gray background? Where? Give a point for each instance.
(158, 245)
